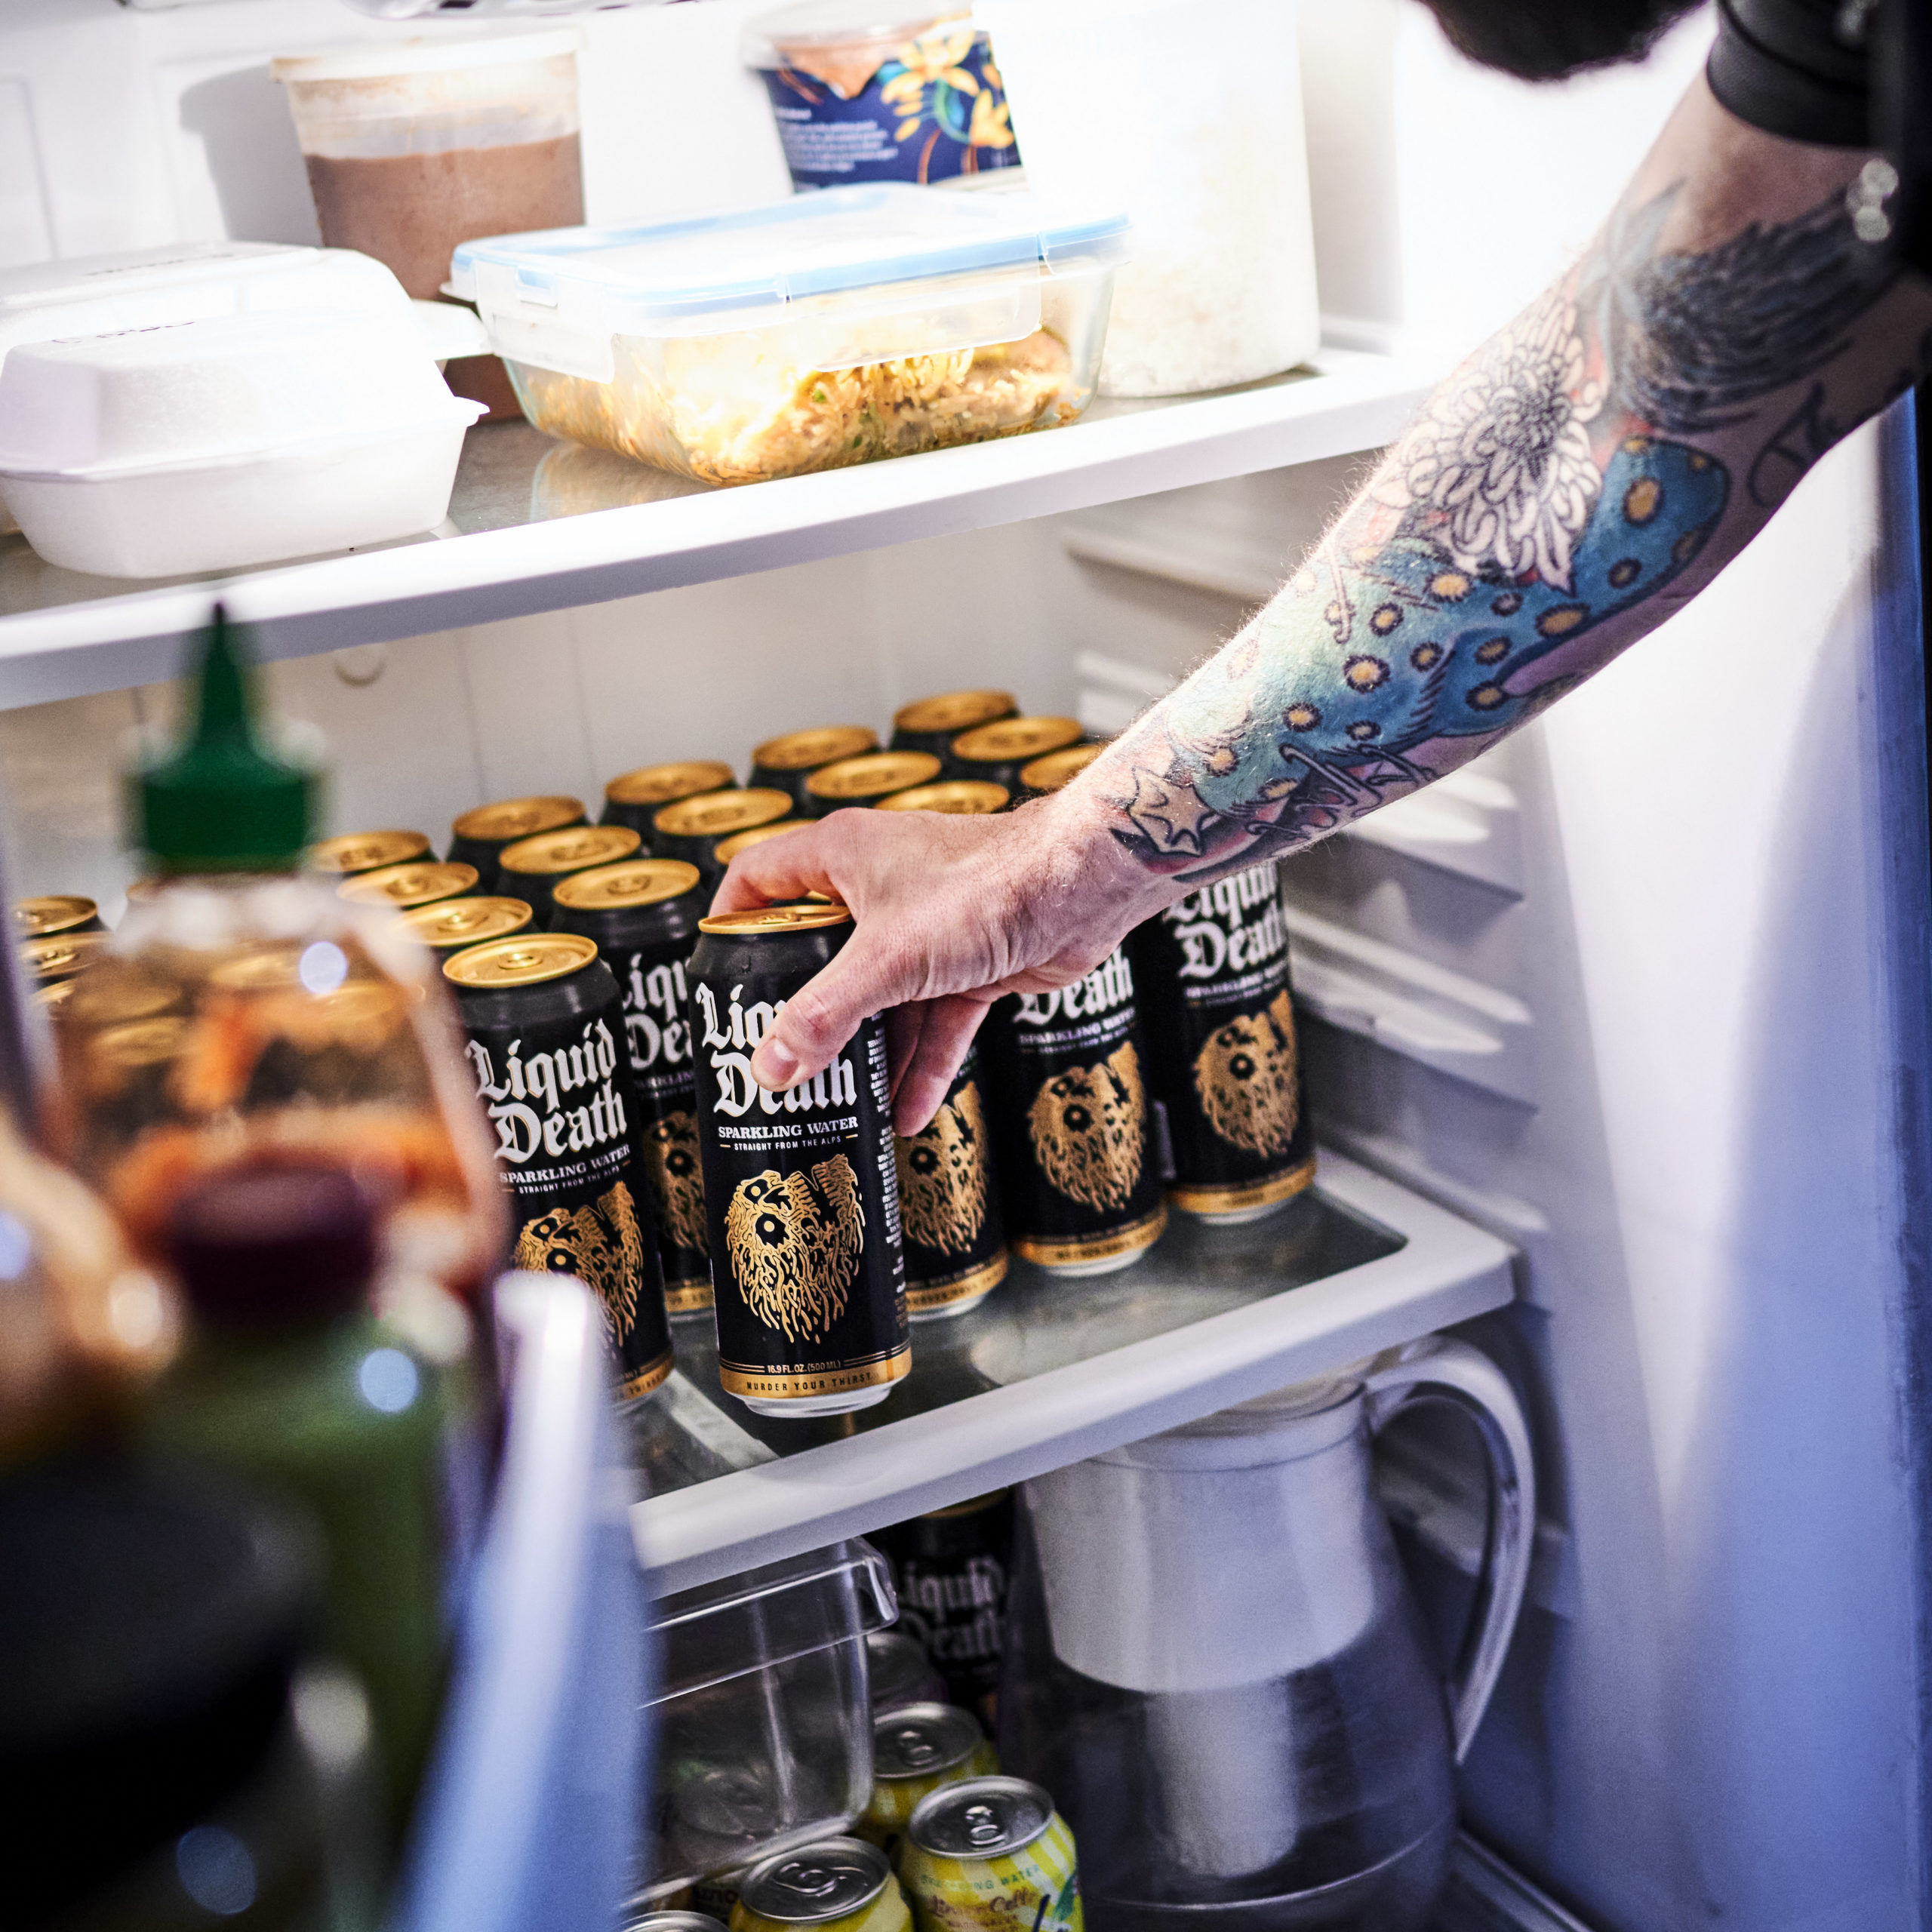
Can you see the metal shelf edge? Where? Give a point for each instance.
(1448, 1271)
(1354, 400)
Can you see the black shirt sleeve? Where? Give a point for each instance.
(1797, 68)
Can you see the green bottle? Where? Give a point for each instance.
(288, 1383)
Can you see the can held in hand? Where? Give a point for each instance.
(694, 828)
(784, 764)
(638, 796)
(915, 1749)
(450, 924)
(961, 798)
(994, 753)
(992, 1855)
(931, 724)
(546, 1030)
(801, 1187)
(479, 836)
(420, 882)
(532, 867)
(354, 852)
(1223, 1058)
(950, 1568)
(1073, 1133)
(949, 1204)
(837, 1885)
(643, 914)
(867, 779)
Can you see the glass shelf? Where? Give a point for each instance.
(1049, 1369)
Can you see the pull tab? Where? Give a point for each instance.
(982, 1826)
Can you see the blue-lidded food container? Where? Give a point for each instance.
(882, 90)
(809, 334)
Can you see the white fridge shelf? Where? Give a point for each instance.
(1048, 1371)
(539, 525)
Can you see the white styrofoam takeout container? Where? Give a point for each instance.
(192, 280)
(234, 440)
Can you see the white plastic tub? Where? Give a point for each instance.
(807, 334)
(214, 444)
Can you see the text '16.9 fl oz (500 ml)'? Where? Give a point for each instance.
(643, 913)
(801, 1187)
(1079, 1165)
(1222, 1059)
(546, 1045)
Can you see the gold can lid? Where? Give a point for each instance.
(56, 996)
(52, 912)
(402, 886)
(139, 1042)
(267, 968)
(618, 887)
(508, 819)
(59, 955)
(145, 891)
(718, 814)
(465, 921)
(528, 960)
(570, 851)
(1056, 768)
(954, 711)
(363, 851)
(665, 784)
(1015, 738)
(872, 775)
(959, 795)
(123, 990)
(726, 850)
(762, 921)
(805, 750)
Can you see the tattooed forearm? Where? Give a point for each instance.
(1564, 491)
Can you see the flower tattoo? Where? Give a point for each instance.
(1504, 454)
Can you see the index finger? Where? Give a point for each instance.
(775, 868)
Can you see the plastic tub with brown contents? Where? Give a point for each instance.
(415, 146)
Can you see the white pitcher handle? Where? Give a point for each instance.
(1442, 1370)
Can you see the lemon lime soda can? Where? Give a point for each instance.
(836, 1885)
(916, 1748)
(991, 1855)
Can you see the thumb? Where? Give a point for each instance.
(865, 977)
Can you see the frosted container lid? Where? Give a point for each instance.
(226, 388)
(764, 38)
(697, 276)
(97, 294)
(433, 54)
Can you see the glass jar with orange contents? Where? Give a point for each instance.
(243, 1016)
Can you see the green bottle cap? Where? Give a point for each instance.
(221, 802)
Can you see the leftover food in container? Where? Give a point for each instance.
(804, 335)
(882, 90)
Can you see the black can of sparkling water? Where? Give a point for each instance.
(931, 724)
(784, 764)
(547, 1046)
(950, 1568)
(643, 913)
(949, 1204)
(1222, 1053)
(1073, 1134)
(801, 1187)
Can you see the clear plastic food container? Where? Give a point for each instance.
(808, 334)
(764, 1719)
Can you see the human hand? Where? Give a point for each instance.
(951, 912)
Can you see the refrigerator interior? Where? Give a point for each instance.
(1641, 993)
